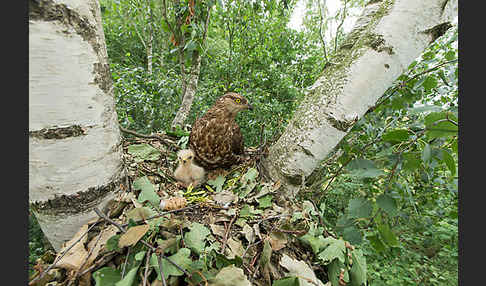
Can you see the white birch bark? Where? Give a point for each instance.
(388, 36)
(190, 91)
(70, 93)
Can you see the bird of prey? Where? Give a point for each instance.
(216, 137)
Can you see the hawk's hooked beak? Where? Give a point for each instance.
(250, 107)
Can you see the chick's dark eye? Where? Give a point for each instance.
(190, 157)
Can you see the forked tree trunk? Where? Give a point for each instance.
(74, 140)
(388, 36)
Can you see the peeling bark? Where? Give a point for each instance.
(388, 36)
(74, 140)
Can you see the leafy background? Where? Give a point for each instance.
(389, 187)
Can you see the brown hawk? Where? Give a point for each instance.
(216, 137)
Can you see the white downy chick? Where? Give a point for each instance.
(187, 172)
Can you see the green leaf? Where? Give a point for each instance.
(112, 243)
(363, 168)
(223, 261)
(195, 238)
(358, 270)
(181, 258)
(449, 161)
(143, 152)
(249, 211)
(411, 161)
(265, 202)
(429, 83)
(129, 277)
(250, 175)
(353, 235)
(289, 281)
(424, 109)
(359, 208)
(316, 243)
(334, 270)
(426, 153)
(376, 242)
(387, 235)
(106, 276)
(388, 204)
(140, 255)
(336, 249)
(343, 222)
(438, 126)
(147, 191)
(217, 183)
(396, 136)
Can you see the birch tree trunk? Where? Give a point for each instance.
(388, 36)
(74, 140)
(189, 83)
(189, 91)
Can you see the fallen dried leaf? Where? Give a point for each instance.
(76, 256)
(278, 240)
(133, 235)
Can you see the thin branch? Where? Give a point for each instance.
(340, 25)
(166, 141)
(162, 275)
(146, 267)
(164, 213)
(125, 264)
(323, 41)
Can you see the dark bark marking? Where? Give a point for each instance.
(76, 203)
(58, 133)
(438, 30)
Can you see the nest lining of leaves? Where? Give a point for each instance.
(228, 231)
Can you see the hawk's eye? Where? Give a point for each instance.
(190, 157)
(237, 100)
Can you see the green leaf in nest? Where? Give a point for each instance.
(217, 183)
(195, 238)
(147, 191)
(265, 201)
(359, 208)
(129, 277)
(289, 281)
(181, 258)
(143, 152)
(106, 276)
